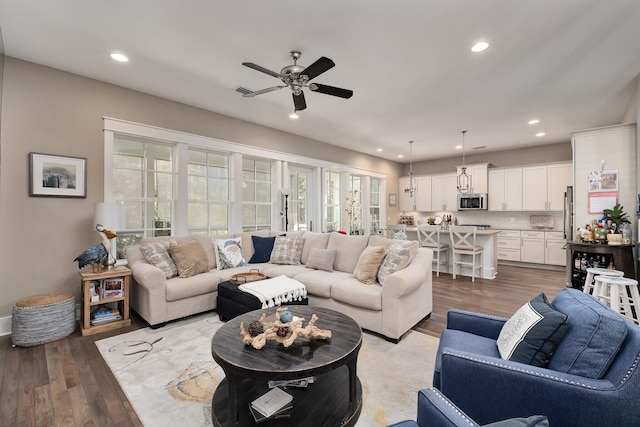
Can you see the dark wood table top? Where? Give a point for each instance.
(305, 357)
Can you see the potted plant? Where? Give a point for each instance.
(431, 220)
(618, 217)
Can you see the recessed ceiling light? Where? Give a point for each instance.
(119, 57)
(458, 147)
(539, 134)
(533, 121)
(480, 46)
(400, 156)
(293, 115)
(379, 150)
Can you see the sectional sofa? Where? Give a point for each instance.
(390, 309)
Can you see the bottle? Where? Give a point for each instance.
(576, 261)
(603, 262)
(583, 262)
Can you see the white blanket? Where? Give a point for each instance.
(275, 291)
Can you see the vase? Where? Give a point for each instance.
(614, 239)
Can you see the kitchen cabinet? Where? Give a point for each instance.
(543, 186)
(479, 178)
(508, 243)
(505, 189)
(444, 192)
(405, 203)
(423, 194)
(532, 247)
(555, 248)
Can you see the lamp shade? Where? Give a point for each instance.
(112, 216)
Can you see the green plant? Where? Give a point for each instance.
(431, 220)
(617, 215)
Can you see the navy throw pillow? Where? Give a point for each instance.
(262, 247)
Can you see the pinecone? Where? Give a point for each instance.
(256, 328)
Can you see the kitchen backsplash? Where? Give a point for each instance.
(496, 219)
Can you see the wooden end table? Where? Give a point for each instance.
(122, 301)
(335, 399)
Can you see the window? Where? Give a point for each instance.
(143, 179)
(374, 204)
(208, 192)
(256, 194)
(332, 201)
(353, 205)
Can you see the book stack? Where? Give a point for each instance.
(103, 315)
(274, 404)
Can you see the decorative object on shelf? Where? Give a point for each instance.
(431, 220)
(93, 256)
(281, 331)
(464, 179)
(411, 189)
(618, 216)
(109, 219)
(57, 176)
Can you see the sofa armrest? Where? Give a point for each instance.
(404, 281)
(148, 290)
(435, 410)
(489, 389)
(475, 323)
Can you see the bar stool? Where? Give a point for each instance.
(429, 237)
(620, 293)
(595, 271)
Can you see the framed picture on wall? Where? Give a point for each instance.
(57, 176)
(603, 181)
(393, 199)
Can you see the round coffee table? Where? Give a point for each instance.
(334, 399)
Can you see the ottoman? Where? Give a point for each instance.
(232, 302)
(43, 318)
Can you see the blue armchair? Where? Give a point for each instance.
(435, 410)
(592, 378)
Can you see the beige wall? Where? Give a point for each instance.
(50, 111)
(516, 157)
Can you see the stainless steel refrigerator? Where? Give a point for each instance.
(568, 216)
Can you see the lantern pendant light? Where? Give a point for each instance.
(464, 179)
(411, 189)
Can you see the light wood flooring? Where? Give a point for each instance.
(66, 382)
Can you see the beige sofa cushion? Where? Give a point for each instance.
(318, 282)
(313, 240)
(353, 292)
(190, 258)
(369, 263)
(322, 259)
(207, 245)
(348, 250)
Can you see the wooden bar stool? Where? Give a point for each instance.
(620, 293)
(595, 271)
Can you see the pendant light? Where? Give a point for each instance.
(411, 189)
(464, 179)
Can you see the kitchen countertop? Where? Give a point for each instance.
(478, 233)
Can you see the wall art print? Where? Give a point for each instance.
(57, 176)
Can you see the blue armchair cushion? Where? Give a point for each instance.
(532, 334)
(532, 421)
(593, 339)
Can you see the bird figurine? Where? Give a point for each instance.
(96, 255)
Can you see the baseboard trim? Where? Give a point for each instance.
(5, 326)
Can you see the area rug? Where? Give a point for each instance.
(169, 375)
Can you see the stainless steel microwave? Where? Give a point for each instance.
(468, 202)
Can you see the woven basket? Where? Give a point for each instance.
(44, 318)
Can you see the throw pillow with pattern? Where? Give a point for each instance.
(287, 250)
(396, 259)
(229, 253)
(157, 254)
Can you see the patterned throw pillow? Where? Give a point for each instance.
(229, 253)
(157, 254)
(532, 334)
(190, 258)
(396, 259)
(287, 250)
(369, 264)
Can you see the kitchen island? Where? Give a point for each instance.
(485, 238)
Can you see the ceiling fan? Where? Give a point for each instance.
(298, 77)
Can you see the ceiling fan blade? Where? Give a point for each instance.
(331, 90)
(299, 102)
(261, 69)
(320, 66)
(261, 91)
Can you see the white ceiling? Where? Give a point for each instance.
(572, 63)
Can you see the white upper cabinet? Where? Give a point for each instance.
(423, 194)
(543, 186)
(405, 203)
(444, 192)
(478, 174)
(505, 189)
